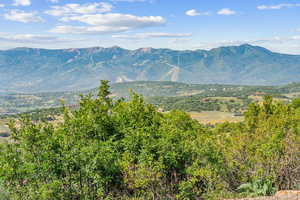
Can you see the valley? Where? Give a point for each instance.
(214, 115)
(164, 94)
(207, 103)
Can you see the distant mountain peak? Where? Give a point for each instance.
(144, 50)
(249, 46)
(246, 45)
(240, 49)
(24, 48)
(148, 49)
(115, 47)
(28, 69)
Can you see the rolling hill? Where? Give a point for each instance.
(37, 70)
(169, 95)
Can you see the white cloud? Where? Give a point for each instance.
(54, 1)
(22, 3)
(277, 7)
(226, 11)
(74, 8)
(118, 20)
(2, 5)
(153, 35)
(31, 38)
(108, 23)
(296, 37)
(97, 20)
(194, 12)
(180, 41)
(87, 29)
(22, 16)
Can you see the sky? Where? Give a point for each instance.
(132, 24)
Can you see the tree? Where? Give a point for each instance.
(117, 149)
(296, 103)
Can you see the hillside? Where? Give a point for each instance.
(167, 95)
(36, 70)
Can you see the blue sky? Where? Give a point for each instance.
(177, 24)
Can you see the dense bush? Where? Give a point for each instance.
(127, 150)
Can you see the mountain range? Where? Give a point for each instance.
(37, 70)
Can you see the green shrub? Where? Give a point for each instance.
(109, 149)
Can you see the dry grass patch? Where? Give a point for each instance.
(215, 117)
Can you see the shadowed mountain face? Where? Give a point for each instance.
(33, 70)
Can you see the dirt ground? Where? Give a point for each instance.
(281, 195)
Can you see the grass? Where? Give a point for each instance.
(215, 117)
(3, 124)
(4, 140)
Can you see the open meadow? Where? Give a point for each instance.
(215, 117)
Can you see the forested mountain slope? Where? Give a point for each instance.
(32, 70)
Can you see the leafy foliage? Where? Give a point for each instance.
(116, 149)
(257, 188)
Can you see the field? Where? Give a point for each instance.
(215, 117)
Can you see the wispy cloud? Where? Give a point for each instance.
(2, 5)
(22, 2)
(67, 29)
(180, 40)
(278, 6)
(31, 38)
(296, 37)
(74, 8)
(54, 1)
(194, 12)
(226, 11)
(22, 16)
(117, 19)
(153, 35)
